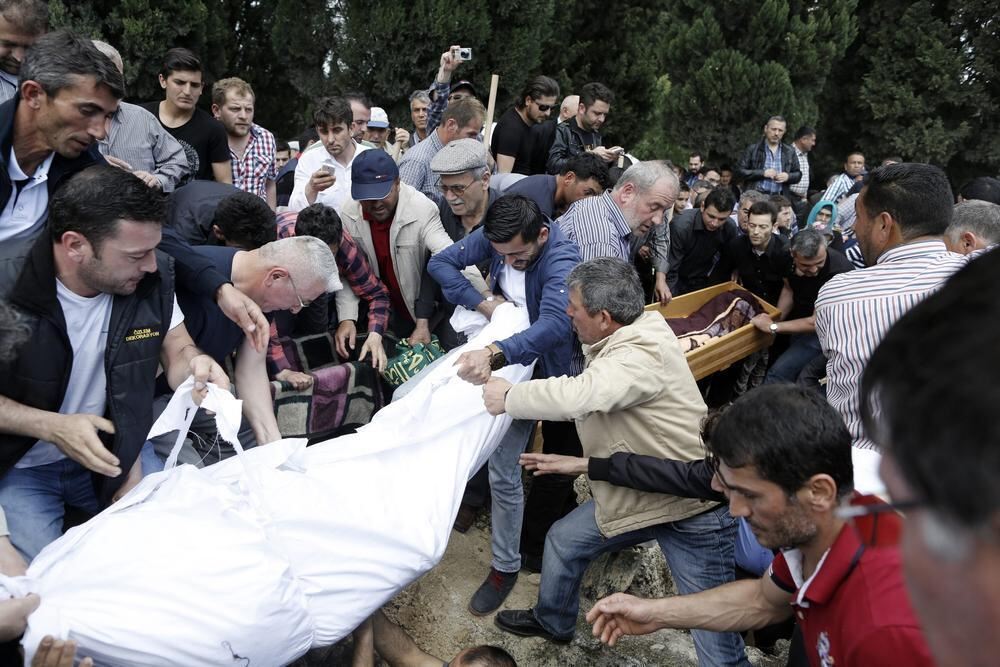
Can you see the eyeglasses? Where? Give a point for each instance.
(848, 512)
(302, 304)
(457, 190)
(544, 107)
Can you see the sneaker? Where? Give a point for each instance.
(493, 592)
(522, 622)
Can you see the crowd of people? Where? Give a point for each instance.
(142, 244)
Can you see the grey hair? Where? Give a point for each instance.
(110, 52)
(13, 331)
(807, 243)
(306, 258)
(56, 58)
(752, 196)
(611, 284)
(644, 175)
(982, 218)
(420, 95)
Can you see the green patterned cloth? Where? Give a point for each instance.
(409, 360)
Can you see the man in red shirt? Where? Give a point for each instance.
(782, 456)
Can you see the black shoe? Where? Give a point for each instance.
(531, 564)
(523, 622)
(465, 518)
(493, 592)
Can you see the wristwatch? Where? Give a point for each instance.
(773, 328)
(497, 358)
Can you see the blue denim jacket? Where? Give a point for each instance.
(550, 337)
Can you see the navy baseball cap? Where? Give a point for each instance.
(372, 175)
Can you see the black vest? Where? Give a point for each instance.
(39, 375)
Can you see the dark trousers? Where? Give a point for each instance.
(551, 496)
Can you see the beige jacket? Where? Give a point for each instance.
(635, 395)
(416, 234)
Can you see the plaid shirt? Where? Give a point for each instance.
(256, 167)
(772, 160)
(356, 272)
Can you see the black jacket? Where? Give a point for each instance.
(12, 253)
(751, 166)
(39, 375)
(648, 473)
(570, 141)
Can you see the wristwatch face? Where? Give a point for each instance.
(773, 328)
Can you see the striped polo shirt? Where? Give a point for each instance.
(855, 310)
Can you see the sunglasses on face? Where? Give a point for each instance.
(544, 107)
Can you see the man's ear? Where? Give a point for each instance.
(163, 81)
(217, 233)
(820, 493)
(215, 111)
(32, 94)
(76, 246)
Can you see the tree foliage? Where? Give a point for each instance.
(918, 79)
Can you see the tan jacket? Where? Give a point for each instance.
(416, 234)
(635, 395)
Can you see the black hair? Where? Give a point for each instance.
(697, 155)
(592, 92)
(588, 165)
(320, 221)
(97, 198)
(916, 195)
(540, 86)
(355, 96)
(281, 145)
(765, 207)
(308, 135)
(57, 58)
(929, 390)
(245, 220)
(781, 201)
(487, 656)
(331, 111)
(983, 188)
(707, 168)
(683, 187)
(721, 198)
(180, 59)
(510, 216)
(788, 433)
(804, 131)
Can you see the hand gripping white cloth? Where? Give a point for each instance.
(254, 560)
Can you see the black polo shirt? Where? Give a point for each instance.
(694, 251)
(805, 289)
(760, 273)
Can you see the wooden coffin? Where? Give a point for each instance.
(721, 352)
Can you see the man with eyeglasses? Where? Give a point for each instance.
(511, 143)
(464, 181)
(398, 229)
(782, 456)
(697, 236)
(928, 397)
(287, 274)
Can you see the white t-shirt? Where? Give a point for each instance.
(512, 284)
(24, 210)
(334, 196)
(87, 320)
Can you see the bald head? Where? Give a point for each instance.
(569, 106)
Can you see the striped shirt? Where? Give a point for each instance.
(253, 169)
(772, 160)
(801, 188)
(855, 310)
(840, 187)
(137, 137)
(597, 227)
(8, 86)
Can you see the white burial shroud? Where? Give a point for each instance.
(254, 560)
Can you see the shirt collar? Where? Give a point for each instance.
(41, 172)
(617, 217)
(912, 250)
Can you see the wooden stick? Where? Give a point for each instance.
(491, 109)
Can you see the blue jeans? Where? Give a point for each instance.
(750, 556)
(803, 349)
(35, 500)
(699, 551)
(507, 512)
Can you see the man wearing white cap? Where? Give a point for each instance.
(378, 134)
